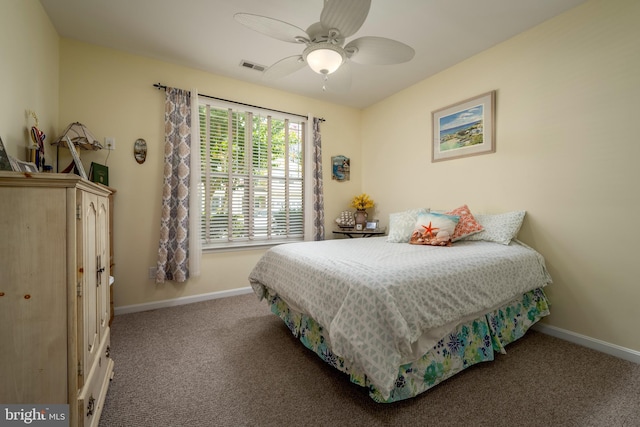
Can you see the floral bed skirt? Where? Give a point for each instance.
(469, 343)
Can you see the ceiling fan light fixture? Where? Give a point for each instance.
(324, 58)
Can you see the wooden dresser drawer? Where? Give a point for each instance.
(93, 394)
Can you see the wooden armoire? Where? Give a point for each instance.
(54, 293)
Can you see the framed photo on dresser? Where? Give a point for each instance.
(76, 159)
(5, 163)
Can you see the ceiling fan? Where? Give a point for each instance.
(325, 51)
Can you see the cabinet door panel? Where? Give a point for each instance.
(33, 287)
(102, 249)
(88, 317)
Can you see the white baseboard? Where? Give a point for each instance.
(592, 343)
(134, 308)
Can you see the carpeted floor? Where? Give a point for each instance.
(230, 362)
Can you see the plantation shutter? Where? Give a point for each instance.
(252, 175)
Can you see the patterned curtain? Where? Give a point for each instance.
(195, 192)
(173, 251)
(316, 174)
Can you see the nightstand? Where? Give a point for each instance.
(350, 232)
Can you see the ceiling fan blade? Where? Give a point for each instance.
(379, 51)
(340, 81)
(272, 27)
(346, 16)
(284, 67)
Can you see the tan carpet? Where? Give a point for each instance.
(230, 362)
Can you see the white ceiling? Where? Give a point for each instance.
(202, 34)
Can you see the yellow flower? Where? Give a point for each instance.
(362, 202)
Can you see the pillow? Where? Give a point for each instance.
(401, 224)
(499, 228)
(467, 224)
(434, 229)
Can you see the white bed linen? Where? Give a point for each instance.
(376, 298)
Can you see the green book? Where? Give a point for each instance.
(99, 173)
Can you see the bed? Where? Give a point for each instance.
(401, 318)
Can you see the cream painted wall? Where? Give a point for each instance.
(567, 95)
(112, 94)
(28, 75)
(567, 153)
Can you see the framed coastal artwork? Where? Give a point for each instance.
(340, 168)
(464, 129)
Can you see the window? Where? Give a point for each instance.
(252, 175)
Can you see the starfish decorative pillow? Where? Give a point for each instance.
(434, 229)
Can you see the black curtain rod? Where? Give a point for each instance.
(161, 86)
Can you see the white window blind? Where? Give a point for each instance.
(252, 175)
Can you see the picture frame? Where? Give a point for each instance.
(76, 158)
(5, 159)
(140, 150)
(25, 166)
(372, 225)
(14, 164)
(464, 129)
(340, 168)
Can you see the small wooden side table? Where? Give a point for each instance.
(351, 233)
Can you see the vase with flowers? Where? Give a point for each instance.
(361, 203)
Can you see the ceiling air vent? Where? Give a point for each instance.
(251, 65)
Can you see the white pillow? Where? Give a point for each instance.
(401, 224)
(499, 228)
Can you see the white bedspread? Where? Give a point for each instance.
(376, 298)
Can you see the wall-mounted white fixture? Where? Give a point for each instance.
(110, 142)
